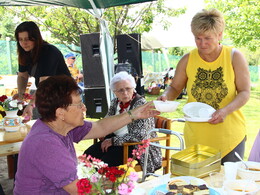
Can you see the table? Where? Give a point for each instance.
(10, 144)
(10, 84)
(156, 181)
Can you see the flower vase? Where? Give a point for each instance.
(109, 188)
(11, 121)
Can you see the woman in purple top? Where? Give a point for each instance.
(47, 160)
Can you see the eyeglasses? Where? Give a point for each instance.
(79, 105)
(128, 89)
(73, 58)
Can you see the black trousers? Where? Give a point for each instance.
(113, 156)
(240, 149)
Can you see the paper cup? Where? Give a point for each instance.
(230, 170)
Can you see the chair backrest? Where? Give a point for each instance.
(162, 122)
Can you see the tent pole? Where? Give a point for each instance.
(106, 51)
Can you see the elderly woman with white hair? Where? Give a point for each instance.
(110, 149)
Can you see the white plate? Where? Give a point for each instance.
(188, 179)
(201, 120)
(197, 110)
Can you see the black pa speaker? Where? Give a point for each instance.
(129, 51)
(91, 60)
(96, 102)
(94, 81)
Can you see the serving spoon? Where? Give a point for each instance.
(239, 157)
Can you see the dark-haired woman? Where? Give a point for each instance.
(36, 58)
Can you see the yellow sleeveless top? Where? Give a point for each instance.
(213, 83)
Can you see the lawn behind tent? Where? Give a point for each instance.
(251, 111)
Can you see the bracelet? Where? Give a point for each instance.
(130, 115)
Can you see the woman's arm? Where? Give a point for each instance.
(178, 82)
(28, 111)
(22, 81)
(110, 124)
(242, 82)
(137, 130)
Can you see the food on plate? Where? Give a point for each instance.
(180, 186)
(253, 169)
(174, 184)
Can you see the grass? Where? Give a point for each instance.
(250, 110)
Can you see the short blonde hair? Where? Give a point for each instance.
(210, 20)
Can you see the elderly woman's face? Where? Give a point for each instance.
(124, 91)
(25, 42)
(207, 42)
(75, 112)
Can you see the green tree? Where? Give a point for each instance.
(7, 24)
(179, 51)
(242, 21)
(66, 23)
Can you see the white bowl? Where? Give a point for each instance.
(167, 106)
(241, 187)
(198, 110)
(249, 174)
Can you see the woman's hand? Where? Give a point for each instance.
(106, 144)
(27, 113)
(145, 111)
(218, 116)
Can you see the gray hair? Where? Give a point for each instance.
(207, 21)
(122, 76)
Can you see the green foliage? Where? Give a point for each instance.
(7, 24)
(178, 51)
(253, 58)
(242, 21)
(66, 23)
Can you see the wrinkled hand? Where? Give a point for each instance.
(106, 144)
(145, 111)
(27, 113)
(218, 116)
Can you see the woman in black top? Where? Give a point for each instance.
(36, 58)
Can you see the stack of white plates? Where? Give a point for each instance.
(198, 112)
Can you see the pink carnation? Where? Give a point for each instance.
(133, 176)
(123, 189)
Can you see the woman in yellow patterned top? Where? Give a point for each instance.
(217, 75)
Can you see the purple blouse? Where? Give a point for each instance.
(255, 151)
(47, 160)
